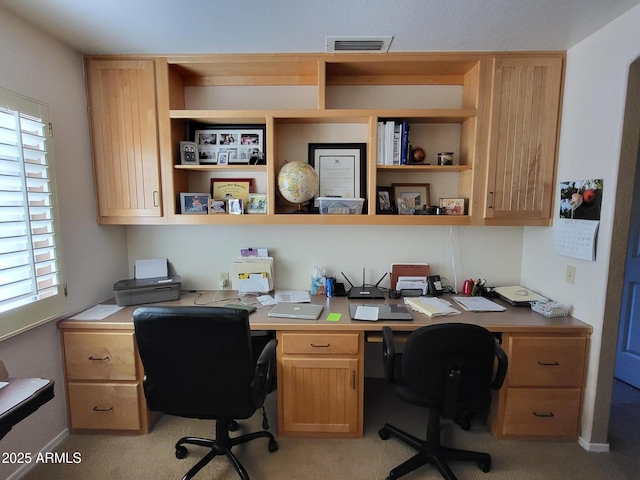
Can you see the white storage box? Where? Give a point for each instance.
(341, 206)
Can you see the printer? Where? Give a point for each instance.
(135, 291)
(151, 283)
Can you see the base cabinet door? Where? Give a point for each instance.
(320, 383)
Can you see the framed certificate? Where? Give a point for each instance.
(341, 169)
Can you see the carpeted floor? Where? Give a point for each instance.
(109, 457)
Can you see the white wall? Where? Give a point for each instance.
(594, 102)
(200, 253)
(40, 67)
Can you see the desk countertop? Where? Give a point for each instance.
(514, 319)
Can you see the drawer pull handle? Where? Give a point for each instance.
(353, 379)
(96, 409)
(103, 359)
(324, 345)
(544, 415)
(549, 364)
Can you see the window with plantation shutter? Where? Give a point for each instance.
(31, 288)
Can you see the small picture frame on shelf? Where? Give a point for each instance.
(419, 192)
(257, 203)
(194, 203)
(234, 206)
(231, 144)
(189, 153)
(452, 206)
(384, 203)
(217, 206)
(406, 205)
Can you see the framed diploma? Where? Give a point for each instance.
(341, 169)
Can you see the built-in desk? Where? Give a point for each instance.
(321, 369)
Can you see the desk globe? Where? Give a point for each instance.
(297, 183)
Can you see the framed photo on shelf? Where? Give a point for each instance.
(231, 144)
(189, 153)
(406, 205)
(234, 206)
(224, 188)
(341, 169)
(257, 203)
(384, 203)
(452, 206)
(217, 206)
(194, 203)
(419, 192)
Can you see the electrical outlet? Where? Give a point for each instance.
(223, 280)
(571, 274)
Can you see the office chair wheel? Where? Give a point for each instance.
(181, 452)
(233, 425)
(273, 446)
(485, 466)
(383, 433)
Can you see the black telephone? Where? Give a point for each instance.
(434, 286)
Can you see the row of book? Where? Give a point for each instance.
(393, 143)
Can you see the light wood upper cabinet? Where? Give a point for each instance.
(124, 128)
(498, 113)
(523, 137)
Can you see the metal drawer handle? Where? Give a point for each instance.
(549, 364)
(104, 359)
(96, 409)
(325, 345)
(544, 415)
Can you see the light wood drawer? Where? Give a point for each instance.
(320, 343)
(546, 361)
(100, 355)
(542, 412)
(104, 406)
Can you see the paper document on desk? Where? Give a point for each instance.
(478, 304)
(292, 296)
(431, 306)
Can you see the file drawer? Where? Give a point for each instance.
(546, 361)
(100, 356)
(542, 412)
(109, 406)
(320, 343)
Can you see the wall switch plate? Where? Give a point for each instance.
(571, 275)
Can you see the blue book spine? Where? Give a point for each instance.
(404, 157)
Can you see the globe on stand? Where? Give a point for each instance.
(297, 183)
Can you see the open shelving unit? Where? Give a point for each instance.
(325, 98)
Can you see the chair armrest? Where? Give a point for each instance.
(501, 371)
(388, 353)
(263, 373)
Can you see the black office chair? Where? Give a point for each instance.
(449, 369)
(198, 363)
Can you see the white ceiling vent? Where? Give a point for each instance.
(359, 44)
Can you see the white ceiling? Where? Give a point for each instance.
(230, 26)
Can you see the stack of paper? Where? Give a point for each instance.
(431, 306)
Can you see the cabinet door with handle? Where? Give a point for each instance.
(523, 135)
(124, 129)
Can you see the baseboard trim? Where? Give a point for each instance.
(47, 448)
(593, 447)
